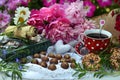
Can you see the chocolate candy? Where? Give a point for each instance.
(36, 55)
(58, 56)
(67, 56)
(72, 65)
(72, 60)
(45, 58)
(65, 65)
(51, 55)
(34, 61)
(54, 61)
(67, 60)
(43, 64)
(63, 60)
(52, 67)
(43, 52)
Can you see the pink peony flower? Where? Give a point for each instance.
(47, 14)
(80, 28)
(61, 21)
(66, 1)
(4, 19)
(58, 10)
(76, 12)
(104, 3)
(89, 24)
(90, 7)
(41, 18)
(60, 29)
(36, 20)
(48, 3)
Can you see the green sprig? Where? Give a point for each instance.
(12, 68)
(80, 71)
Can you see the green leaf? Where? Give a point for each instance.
(11, 67)
(81, 75)
(12, 76)
(102, 75)
(6, 73)
(75, 73)
(96, 74)
(19, 74)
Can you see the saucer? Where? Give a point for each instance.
(81, 49)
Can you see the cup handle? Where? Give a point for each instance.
(81, 38)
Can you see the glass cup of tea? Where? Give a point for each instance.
(94, 40)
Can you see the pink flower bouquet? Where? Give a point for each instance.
(65, 22)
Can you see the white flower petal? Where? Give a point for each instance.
(22, 12)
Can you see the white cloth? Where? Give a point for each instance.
(36, 72)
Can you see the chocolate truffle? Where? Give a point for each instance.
(63, 60)
(45, 58)
(36, 55)
(67, 56)
(51, 55)
(52, 67)
(34, 61)
(72, 60)
(43, 52)
(67, 60)
(58, 56)
(43, 64)
(53, 61)
(65, 65)
(72, 65)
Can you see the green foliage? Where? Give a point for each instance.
(80, 71)
(35, 4)
(25, 50)
(101, 73)
(12, 68)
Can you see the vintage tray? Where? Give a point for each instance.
(26, 50)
